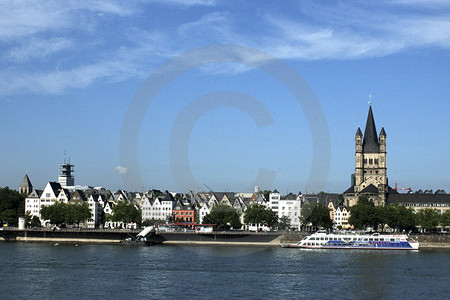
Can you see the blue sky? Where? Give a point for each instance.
(69, 71)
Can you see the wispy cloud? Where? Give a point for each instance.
(354, 34)
(26, 18)
(187, 2)
(38, 47)
(53, 46)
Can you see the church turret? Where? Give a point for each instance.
(382, 140)
(358, 140)
(359, 157)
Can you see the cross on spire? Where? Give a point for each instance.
(370, 99)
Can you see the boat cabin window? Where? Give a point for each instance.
(376, 239)
(392, 240)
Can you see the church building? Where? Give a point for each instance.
(370, 177)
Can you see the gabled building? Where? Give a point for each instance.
(78, 196)
(202, 212)
(64, 196)
(183, 212)
(341, 217)
(50, 193)
(48, 197)
(212, 201)
(96, 211)
(33, 204)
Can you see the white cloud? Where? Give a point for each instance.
(69, 47)
(27, 18)
(344, 36)
(121, 170)
(188, 2)
(38, 48)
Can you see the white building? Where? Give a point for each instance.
(290, 207)
(48, 197)
(96, 211)
(274, 199)
(341, 217)
(33, 203)
(159, 208)
(202, 212)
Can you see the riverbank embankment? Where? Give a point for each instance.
(237, 238)
(75, 235)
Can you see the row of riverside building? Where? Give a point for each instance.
(168, 206)
(370, 180)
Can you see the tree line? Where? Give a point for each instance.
(12, 206)
(366, 215)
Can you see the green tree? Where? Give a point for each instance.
(284, 223)
(35, 222)
(320, 216)
(399, 217)
(365, 214)
(126, 212)
(9, 217)
(150, 222)
(260, 214)
(77, 213)
(445, 218)
(317, 214)
(224, 216)
(427, 218)
(55, 213)
(63, 213)
(12, 205)
(305, 212)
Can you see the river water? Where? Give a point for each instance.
(69, 271)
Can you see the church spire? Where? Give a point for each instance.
(370, 143)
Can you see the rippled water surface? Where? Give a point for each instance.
(30, 270)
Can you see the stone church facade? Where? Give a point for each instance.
(370, 177)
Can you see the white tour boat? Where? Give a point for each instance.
(375, 241)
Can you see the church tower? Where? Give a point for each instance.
(25, 186)
(370, 178)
